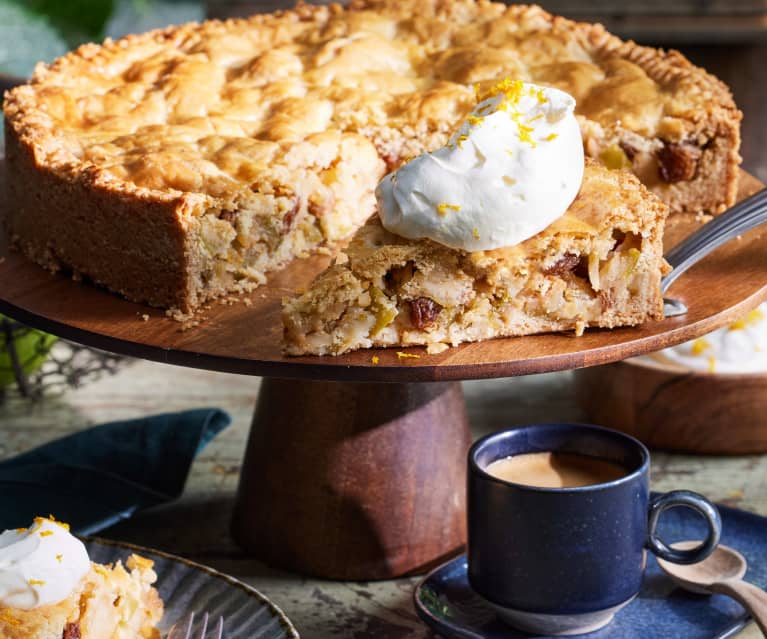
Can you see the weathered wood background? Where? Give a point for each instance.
(197, 525)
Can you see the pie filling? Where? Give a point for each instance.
(464, 301)
(263, 229)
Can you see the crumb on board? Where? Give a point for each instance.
(145, 317)
(247, 301)
(375, 360)
(436, 347)
(191, 324)
(179, 315)
(401, 355)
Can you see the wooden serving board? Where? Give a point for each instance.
(242, 338)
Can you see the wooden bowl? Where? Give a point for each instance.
(676, 409)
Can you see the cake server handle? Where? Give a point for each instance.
(741, 218)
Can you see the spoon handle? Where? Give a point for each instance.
(742, 217)
(749, 596)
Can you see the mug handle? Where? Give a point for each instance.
(699, 504)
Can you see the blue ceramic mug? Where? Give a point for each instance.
(564, 560)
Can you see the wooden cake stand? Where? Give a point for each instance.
(356, 469)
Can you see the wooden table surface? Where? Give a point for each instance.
(197, 525)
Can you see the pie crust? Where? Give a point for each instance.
(182, 164)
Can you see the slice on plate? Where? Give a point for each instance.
(111, 602)
(598, 265)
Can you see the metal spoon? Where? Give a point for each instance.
(722, 572)
(742, 217)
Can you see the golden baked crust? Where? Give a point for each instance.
(111, 603)
(200, 157)
(598, 265)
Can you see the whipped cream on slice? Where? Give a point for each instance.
(740, 347)
(40, 565)
(509, 171)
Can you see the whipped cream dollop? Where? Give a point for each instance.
(740, 347)
(40, 565)
(509, 171)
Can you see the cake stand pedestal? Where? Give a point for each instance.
(355, 467)
(352, 480)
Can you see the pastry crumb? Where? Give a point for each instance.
(247, 301)
(189, 325)
(436, 348)
(145, 317)
(375, 360)
(401, 355)
(178, 315)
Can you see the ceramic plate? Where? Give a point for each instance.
(444, 600)
(186, 586)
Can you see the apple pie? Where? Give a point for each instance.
(112, 602)
(182, 164)
(599, 264)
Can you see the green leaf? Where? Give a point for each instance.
(31, 348)
(77, 20)
(26, 38)
(434, 603)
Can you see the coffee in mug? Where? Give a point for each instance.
(555, 470)
(564, 559)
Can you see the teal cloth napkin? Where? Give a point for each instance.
(99, 476)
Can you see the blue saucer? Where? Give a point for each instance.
(445, 601)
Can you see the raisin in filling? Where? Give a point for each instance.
(72, 631)
(423, 312)
(678, 162)
(564, 264)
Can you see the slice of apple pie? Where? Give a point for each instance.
(49, 589)
(599, 265)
